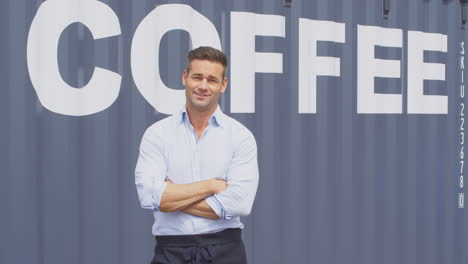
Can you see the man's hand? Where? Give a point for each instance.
(218, 185)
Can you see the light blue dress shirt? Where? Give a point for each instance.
(170, 150)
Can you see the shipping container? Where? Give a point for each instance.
(357, 107)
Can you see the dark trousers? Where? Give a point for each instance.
(225, 247)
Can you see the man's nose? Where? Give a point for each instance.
(204, 84)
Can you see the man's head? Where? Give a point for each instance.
(209, 54)
(204, 78)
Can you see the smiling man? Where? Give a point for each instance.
(197, 170)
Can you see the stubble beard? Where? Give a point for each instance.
(201, 106)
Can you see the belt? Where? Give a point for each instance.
(225, 236)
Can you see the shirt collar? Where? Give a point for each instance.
(218, 116)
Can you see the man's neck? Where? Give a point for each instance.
(199, 119)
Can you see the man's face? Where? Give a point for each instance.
(203, 84)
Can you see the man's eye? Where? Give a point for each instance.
(213, 80)
(196, 77)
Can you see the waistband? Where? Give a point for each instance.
(225, 236)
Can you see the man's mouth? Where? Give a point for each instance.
(199, 95)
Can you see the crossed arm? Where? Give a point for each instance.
(214, 199)
(190, 198)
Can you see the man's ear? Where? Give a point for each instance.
(224, 85)
(184, 75)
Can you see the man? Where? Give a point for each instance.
(198, 172)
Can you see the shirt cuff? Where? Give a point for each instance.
(216, 206)
(158, 190)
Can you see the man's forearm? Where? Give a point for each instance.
(202, 209)
(177, 197)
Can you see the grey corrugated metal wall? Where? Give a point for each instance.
(336, 186)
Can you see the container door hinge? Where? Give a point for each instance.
(464, 11)
(386, 8)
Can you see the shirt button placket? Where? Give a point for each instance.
(195, 176)
(197, 163)
(195, 159)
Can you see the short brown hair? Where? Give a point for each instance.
(207, 53)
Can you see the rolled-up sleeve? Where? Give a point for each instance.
(242, 179)
(150, 171)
